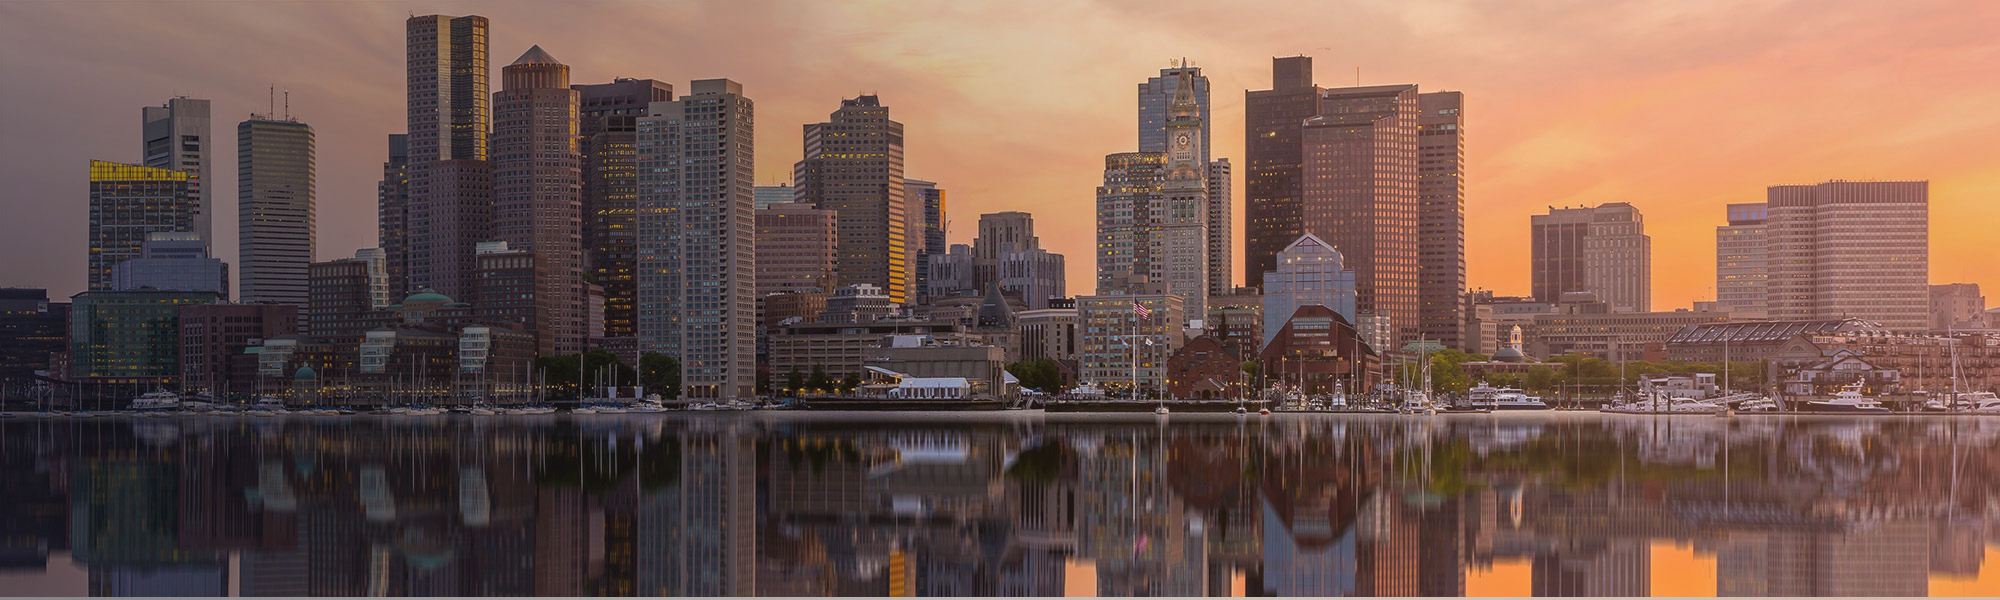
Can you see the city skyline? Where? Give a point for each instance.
(1525, 151)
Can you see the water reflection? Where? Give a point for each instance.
(809, 505)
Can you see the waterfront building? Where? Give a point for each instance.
(128, 203)
(840, 348)
(1593, 328)
(173, 261)
(1237, 320)
(343, 303)
(1205, 369)
(31, 329)
(1126, 339)
(177, 139)
(1742, 259)
(128, 337)
(210, 334)
(1602, 249)
(607, 135)
(1851, 249)
(697, 238)
(1047, 333)
(275, 219)
(392, 215)
(1358, 160)
(449, 207)
(1317, 351)
(1957, 306)
(853, 165)
(1310, 272)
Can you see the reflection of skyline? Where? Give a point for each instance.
(779, 507)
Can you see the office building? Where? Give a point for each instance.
(173, 261)
(1358, 160)
(392, 205)
(925, 197)
(275, 225)
(1310, 273)
(537, 187)
(343, 303)
(697, 238)
(607, 129)
(379, 293)
(31, 329)
(1273, 121)
(127, 203)
(1221, 258)
(1441, 218)
(1006, 254)
(1152, 212)
(450, 203)
(840, 348)
(797, 248)
(1584, 325)
(854, 165)
(1856, 249)
(177, 139)
(1047, 333)
(1957, 306)
(128, 337)
(767, 195)
(1126, 339)
(511, 282)
(1156, 97)
(1603, 250)
(1237, 320)
(1741, 259)
(210, 334)
(1125, 206)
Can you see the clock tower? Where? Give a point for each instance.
(1183, 225)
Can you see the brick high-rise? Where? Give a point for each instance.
(854, 165)
(1358, 164)
(1441, 218)
(537, 179)
(450, 181)
(1858, 249)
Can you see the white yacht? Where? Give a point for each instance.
(157, 401)
(270, 404)
(1481, 396)
(1848, 400)
(1514, 399)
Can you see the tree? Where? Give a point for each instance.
(661, 374)
(819, 382)
(1040, 374)
(794, 381)
(850, 382)
(1539, 379)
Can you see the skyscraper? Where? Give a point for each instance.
(1271, 188)
(1310, 272)
(127, 202)
(608, 116)
(797, 249)
(1156, 96)
(392, 201)
(1006, 255)
(1152, 212)
(767, 195)
(450, 206)
(275, 218)
(1741, 259)
(1126, 207)
(925, 197)
(1603, 250)
(177, 138)
(1441, 218)
(1221, 259)
(1855, 249)
(537, 203)
(854, 165)
(697, 238)
(1358, 162)
(1183, 228)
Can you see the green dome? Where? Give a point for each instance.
(427, 296)
(305, 373)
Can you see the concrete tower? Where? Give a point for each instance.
(177, 138)
(854, 165)
(537, 191)
(275, 209)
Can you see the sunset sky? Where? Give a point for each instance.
(1677, 107)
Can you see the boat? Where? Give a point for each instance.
(1662, 404)
(1481, 396)
(1514, 399)
(1240, 411)
(1758, 405)
(583, 410)
(160, 401)
(268, 404)
(1160, 411)
(1848, 400)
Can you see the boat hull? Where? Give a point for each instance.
(1816, 407)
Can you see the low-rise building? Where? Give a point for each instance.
(1127, 339)
(212, 333)
(983, 367)
(31, 330)
(1317, 352)
(1589, 327)
(128, 337)
(1206, 368)
(1048, 333)
(841, 349)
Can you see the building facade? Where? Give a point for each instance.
(342, 303)
(1358, 161)
(128, 203)
(276, 225)
(449, 207)
(537, 191)
(1221, 220)
(1957, 306)
(210, 334)
(177, 139)
(928, 196)
(797, 248)
(1317, 351)
(840, 348)
(1603, 250)
(1441, 218)
(1126, 339)
(854, 166)
(1273, 120)
(1741, 259)
(31, 329)
(697, 238)
(1047, 333)
(1310, 273)
(392, 215)
(1008, 254)
(173, 261)
(607, 133)
(1856, 249)
(1205, 369)
(128, 337)
(1611, 335)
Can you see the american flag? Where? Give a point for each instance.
(1141, 311)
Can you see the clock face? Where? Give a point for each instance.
(1182, 141)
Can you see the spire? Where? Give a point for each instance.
(536, 56)
(1184, 104)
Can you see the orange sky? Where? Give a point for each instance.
(1677, 107)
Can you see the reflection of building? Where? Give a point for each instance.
(698, 532)
(1619, 567)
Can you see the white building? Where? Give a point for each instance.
(1309, 272)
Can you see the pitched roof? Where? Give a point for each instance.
(536, 56)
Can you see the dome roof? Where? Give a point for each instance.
(426, 295)
(1509, 355)
(304, 373)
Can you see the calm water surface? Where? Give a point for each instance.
(956, 504)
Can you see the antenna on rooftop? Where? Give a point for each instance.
(288, 105)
